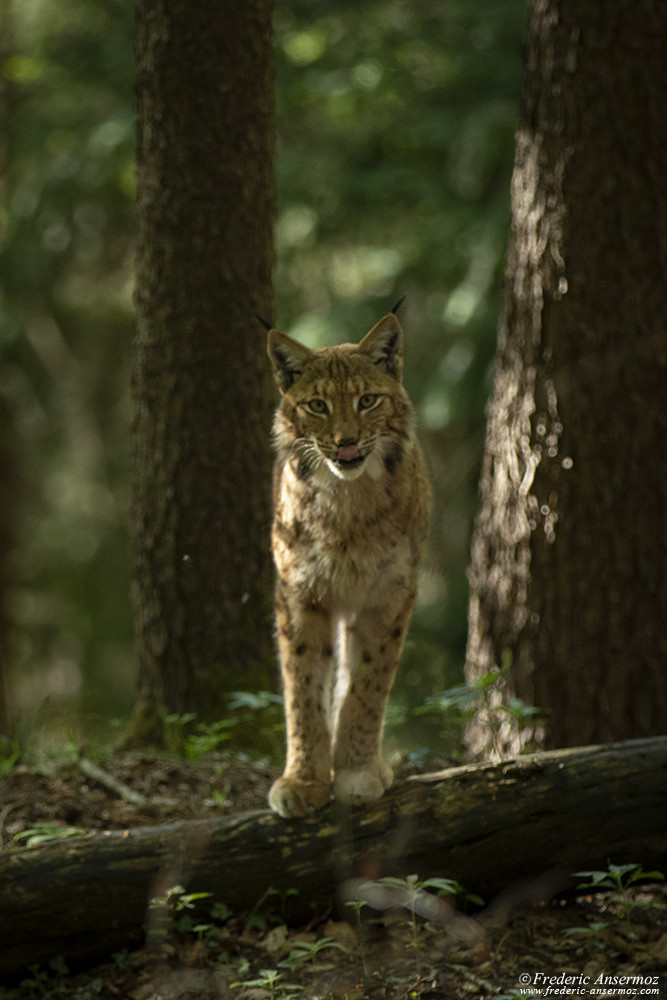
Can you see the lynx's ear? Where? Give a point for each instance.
(288, 357)
(384, 345)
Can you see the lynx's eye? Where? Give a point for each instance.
(367, 401)
(317, 406)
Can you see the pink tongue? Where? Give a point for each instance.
(348, 452)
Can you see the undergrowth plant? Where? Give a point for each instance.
(10, 754)
(46, 832)
(40, 981)
(259, 713)
(268, 980)
(165, 908)
(173, 913)
(618, 879)
(486, 694)
(187, 738)
(414, 895)
(357, 905)
(302, 952)
(418, 899)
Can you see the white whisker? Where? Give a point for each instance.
(307, 449)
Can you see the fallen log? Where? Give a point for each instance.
(486, 826)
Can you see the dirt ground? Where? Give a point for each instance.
(576, 947)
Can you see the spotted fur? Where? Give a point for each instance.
(352, 504)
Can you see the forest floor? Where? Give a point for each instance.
(582, 942)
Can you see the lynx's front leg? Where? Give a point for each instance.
(370, 653)
(306, 657)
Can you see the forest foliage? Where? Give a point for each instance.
(395, 141)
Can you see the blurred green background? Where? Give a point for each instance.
(395, 146)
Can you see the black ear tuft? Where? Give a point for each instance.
(265, 323)
(399, 304)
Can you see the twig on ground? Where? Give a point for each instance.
(113, 784)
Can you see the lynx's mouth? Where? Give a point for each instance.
(348, 456)
(348, 461)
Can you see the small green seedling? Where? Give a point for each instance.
(618, 879)
(590, 931)
(283, 895)
(268, 980)
(221, 913)
(307, 951)
(9, 755)
(43, 833)
(177, 899)
(357, 905)
(174, 901)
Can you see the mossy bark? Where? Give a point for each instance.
(486, 827)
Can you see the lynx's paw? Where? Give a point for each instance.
(291, 797)
(363, 784)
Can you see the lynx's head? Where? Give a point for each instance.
(344, 412)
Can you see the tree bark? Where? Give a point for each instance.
(486, 827)
(9, 497)
(202, 386)
(569, 555)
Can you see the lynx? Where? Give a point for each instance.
(352, 505)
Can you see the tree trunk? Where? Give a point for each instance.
(202, 387)
(9, 449)
(486, 827)
(9, 492)
(569, 556)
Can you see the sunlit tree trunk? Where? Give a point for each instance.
(569, 557)
(203, 395)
